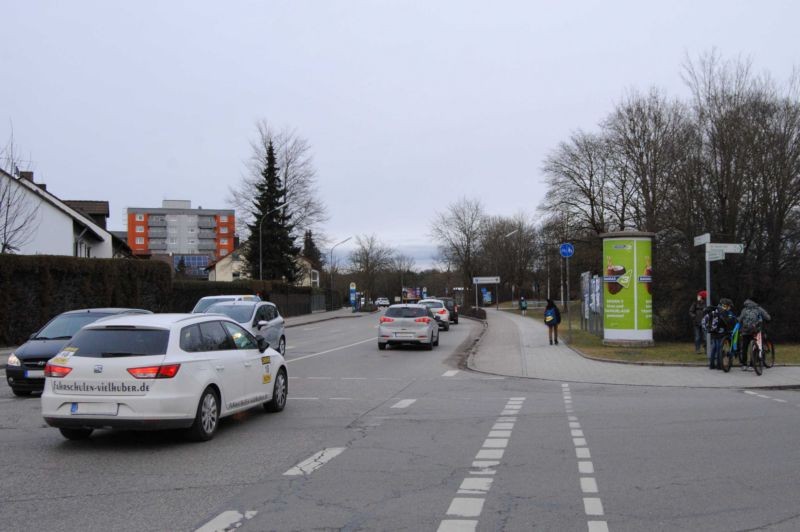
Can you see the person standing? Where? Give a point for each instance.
(719, 323)
(523, 305)
(696, 311)
(552, 317)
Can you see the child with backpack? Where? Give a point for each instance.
(552, 317)
(718, 322)
(751, 319)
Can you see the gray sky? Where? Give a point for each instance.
(407, 105)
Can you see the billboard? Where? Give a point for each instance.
(627, 293)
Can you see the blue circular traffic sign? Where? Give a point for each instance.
(567, 250)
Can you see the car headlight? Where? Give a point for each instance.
(13, 360)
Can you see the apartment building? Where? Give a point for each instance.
(177, 229)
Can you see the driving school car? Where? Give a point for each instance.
(160, 371)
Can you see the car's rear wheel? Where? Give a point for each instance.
(20, 393)
(279, 393)
(381, 345)
(447, 326)
(429, 345)
(455, 321)
(76, 434)
(206, 420)
(436, 342)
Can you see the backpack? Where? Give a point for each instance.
(751, 320)
(550, 316)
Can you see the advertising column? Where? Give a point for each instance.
(627, 296)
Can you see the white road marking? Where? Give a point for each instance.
(457, 525)
(500, 434)
(748, 392)
(763, 396)
(303, 398)
(405, 403)
(475, 486)
(484, 464)
(354, 378)
(315, 462)
(509, 412)
(489, 454)
(592, 506)
(341, 398)
(331, 350)
(577, 433)
(513, 407)
(574, 425)
(565, 385)
(780, 400)
(503, 426)
(450, 373)
(465, 507)
(226, 520)
(598, 526)
(572, 418)
(499, 443)
(320, 378)
(516, 398)
(579, 442)
(582, 452)
(588, 485)
(507, 419)
(586, 468)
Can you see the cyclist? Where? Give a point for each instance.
(751, 320)
(718, 323)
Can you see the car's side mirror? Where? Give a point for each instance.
(262, 323)
(263, 344)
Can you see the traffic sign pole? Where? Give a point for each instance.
(567, 250)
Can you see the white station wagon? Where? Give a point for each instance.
(160, 371)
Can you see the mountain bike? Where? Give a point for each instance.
(762, 352)
(731, 349)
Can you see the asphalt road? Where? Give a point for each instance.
(405, 439)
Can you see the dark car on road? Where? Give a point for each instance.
(25, 367)
(451, 305)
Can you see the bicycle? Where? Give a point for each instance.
(762, 352)
(730, 349)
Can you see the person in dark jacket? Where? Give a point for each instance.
(696, 313)
(751, 319)
(552, 317)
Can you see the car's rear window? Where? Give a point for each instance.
(66, 326)
(449, 303)
(203, 304)
(240, 313)
(432, 304)
(405, 312)
(119, 342)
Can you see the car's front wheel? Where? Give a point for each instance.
(76, 434)
(279, 394)
(206, 419)
(282, 346)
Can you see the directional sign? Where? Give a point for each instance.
(567, 250)
(702, 239)
(714, 254)
(726, 248)
(486, 280)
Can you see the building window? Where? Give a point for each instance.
(140, 240)
(223, 252)
(140, 217)
(173, 240)
(223, 218)
(223, 230)
(191, 229)
(140, 229)
(192, 241)
(223, 241)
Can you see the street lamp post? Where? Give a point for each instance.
(331, 262)
(512, 284)
(260, 254)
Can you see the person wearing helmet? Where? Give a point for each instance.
(696, 312)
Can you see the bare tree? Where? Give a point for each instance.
(297, 171)
(19, 210)
(370, 258)
(458, 232)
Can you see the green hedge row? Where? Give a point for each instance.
(35, 288)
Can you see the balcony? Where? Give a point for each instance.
(206, 234)
(158, 245)
(206, 223)
(156, 233)
(156, 222)
(207, 245)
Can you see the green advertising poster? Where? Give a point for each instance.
(619, 280)
(644, 282)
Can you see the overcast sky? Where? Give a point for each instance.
(407, 105)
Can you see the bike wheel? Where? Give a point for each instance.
(756, 358)
(769, 354)
(726, 355)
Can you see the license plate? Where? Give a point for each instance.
(94, 409)
(34, 373)
(404, 335)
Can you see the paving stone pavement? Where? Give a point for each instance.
(518, 347)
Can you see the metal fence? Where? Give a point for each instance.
(592, 303)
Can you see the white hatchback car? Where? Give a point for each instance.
(408, 324)
(160, 371)
(439, 310)
(204, 302)
(261, 318)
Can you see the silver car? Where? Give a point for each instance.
(439, 310)
(408, 324)
(261, 318)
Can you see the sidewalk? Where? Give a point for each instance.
(518, 347)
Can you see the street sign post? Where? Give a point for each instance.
(495, 280)
(725, 248)
(705, 238)
(567, 250)
(714, 254)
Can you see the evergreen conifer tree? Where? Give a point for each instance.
(311, 251)
(272, 248)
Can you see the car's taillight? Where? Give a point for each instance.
(423, 320)
(155, 372)
(56, 372)
(442, 311)
(384, 319)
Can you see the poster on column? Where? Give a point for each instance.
(644, 284)
(627, 292)
(619, 300)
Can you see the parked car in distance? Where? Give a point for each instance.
(160, 371)
(25, 366)
(260, 318)
(204, 302)
(452, 307)
(408, 324)
(382, 302)
(439, 310)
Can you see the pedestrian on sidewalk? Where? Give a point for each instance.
(696, 312)
(523, 305)
(552, 317)
(718, 323)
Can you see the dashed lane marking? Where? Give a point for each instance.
(451, 373)
(315, 462)
(370, 339)
(457, 525)
(227, 520)
(405, 403)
